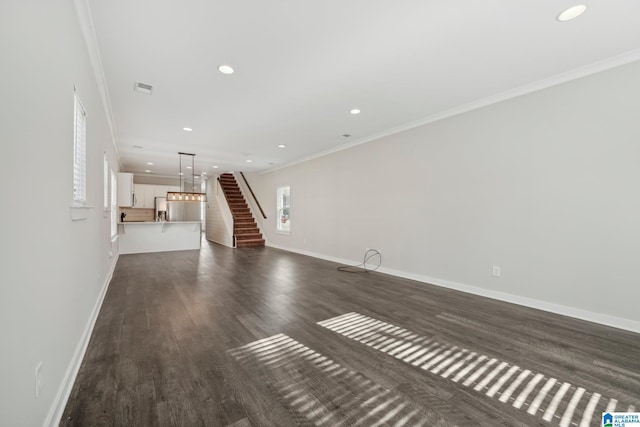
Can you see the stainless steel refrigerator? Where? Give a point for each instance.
(184, 211)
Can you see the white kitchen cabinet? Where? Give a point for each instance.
(144, 196)
(161, 190)
(138, 195)
(150, 197)
(125, 190)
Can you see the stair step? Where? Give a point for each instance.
(247, 230)
(250, 243)
(245, 237)
(244, 221)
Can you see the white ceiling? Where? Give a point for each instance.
(302, 65)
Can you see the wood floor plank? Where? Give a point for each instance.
(164, 350)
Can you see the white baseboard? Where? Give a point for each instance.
(589, 316)
(64, 391)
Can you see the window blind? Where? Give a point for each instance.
(79, 152)
(105, 184)
(283, 205)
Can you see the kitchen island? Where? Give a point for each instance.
(158, 236)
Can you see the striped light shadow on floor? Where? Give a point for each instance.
(317, 390)
(554, 401)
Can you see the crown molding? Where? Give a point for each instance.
(88, 32)
(576, 73)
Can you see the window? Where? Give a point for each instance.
(114, 204)
(105, 184)
(283, 205)
(79, 152)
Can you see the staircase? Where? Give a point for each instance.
(245, 230)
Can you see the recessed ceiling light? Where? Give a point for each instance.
(147, 171)
(203, 173)
(181, 173)
(249, 161)
(345, 135)
(572, 13)
(282, 146)
(270, 163)
(187, 129)
(188, 167)
(225, 69)
(355, 111)
(150, 163)
(215, 166)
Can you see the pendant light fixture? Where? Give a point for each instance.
(187, 196)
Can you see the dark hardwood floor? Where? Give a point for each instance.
(262, 337)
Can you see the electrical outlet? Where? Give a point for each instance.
(38, 378)
(496, 271)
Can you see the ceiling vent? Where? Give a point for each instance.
(145, 88)
(345, 135)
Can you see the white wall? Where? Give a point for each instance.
(545, 185)
(53, 269)
(219, 220)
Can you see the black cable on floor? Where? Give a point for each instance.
(362, 268)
